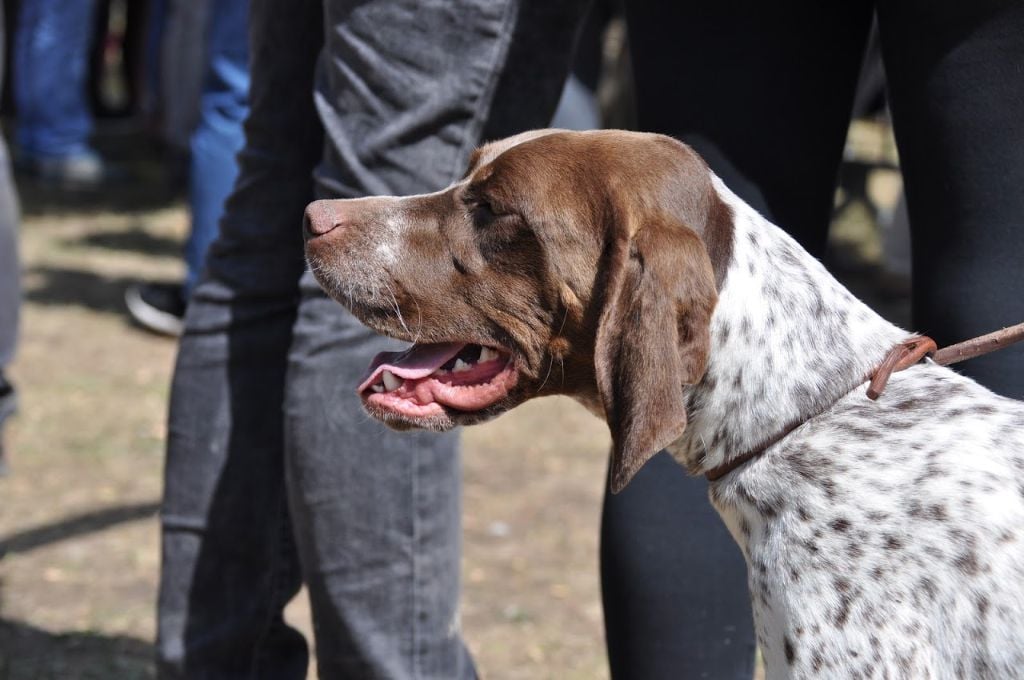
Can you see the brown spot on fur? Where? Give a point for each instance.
(983, 605)
(843, 613)
(840, 525)
(967, 562)
(892, 542)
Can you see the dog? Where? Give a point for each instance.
(884, 538)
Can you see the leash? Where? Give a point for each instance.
(913, 350)
(904, 355)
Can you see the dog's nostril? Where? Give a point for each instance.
(320, 218)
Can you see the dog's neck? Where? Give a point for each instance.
(787, 340)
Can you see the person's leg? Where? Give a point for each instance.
(673, 581)
(764, 94)
(223, 106)
(219, 53)
(228, 563)
(51, 50)
(182, 49)
(376, 513)
(405, 90)
(957, 100)
(770, 86)
(638, 578)
(10, 271)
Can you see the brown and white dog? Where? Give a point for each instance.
(884, 539)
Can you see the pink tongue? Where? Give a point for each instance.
(418, 361)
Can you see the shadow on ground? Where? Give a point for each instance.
(72, 527)
(141, 179)
(135, 240)
(60, 286)
(131, 193)
(28, 653)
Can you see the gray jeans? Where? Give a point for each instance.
(274, 474)
(271, 463)
(10, 271)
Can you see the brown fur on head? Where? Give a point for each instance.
(586, 261)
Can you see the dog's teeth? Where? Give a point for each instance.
(442, 371)
(391, 382)
(460, 366)
(377, 387)
(488, 354)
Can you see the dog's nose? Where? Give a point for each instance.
(320, 218)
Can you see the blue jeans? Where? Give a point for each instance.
(51, 62)
(274, 475)
(218, 137)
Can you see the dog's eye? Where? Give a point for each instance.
(484, 211)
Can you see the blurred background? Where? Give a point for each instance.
(107, 224)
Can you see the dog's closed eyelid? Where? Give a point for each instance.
(473, 199)
(477, 195)
(484, 211)
(483, 208)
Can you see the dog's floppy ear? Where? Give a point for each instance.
(652, 339)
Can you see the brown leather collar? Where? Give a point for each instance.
(904, 355)
(714, 474)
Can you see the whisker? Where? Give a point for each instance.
(398, 310)
(551, 360)
(551, 364)
(419, 319)
(565, 317)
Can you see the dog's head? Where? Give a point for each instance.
(562, 263)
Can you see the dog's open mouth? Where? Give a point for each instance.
(421, 381)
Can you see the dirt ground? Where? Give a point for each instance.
(78, 529)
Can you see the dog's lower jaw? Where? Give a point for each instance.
(442, 422)
(401, 423)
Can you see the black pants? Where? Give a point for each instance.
(764, 91)
(771, 86)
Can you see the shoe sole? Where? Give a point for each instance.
(150, 317)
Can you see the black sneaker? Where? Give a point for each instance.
(160, 307)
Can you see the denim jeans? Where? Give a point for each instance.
(274, 474)
(218, 137)
(51, 62)
(270, 458)
(10, 269)
(181, 31)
